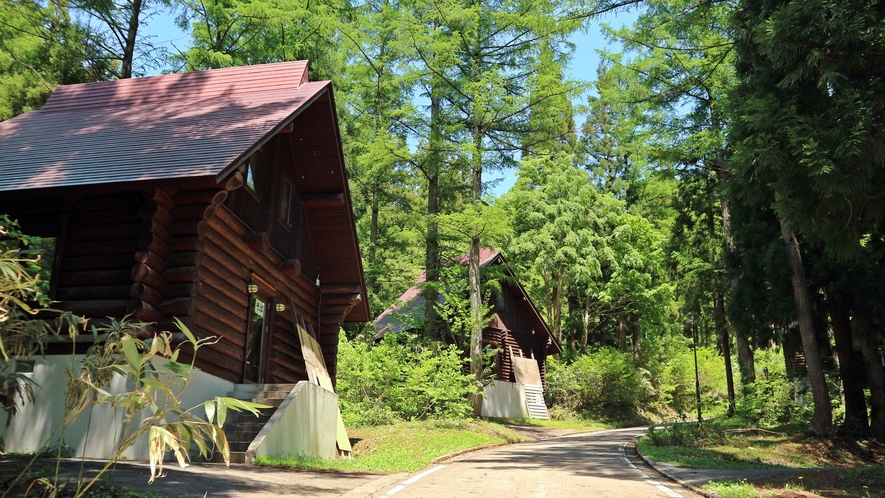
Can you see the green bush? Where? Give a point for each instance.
(603, 384)
(678, 434)
(401, 378)
(768, 403)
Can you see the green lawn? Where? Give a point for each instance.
(405, 447)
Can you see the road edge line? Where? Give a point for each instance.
(651, 463)
(411, 480)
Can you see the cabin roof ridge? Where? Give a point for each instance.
(165, 88)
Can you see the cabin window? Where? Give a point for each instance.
(250, 177)
(285, 215)
(257, 316)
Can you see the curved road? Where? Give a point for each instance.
(582, 465)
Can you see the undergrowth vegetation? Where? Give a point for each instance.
(401, 378)
(609, 385)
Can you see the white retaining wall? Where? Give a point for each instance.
(97, 431)
(504, 400)
(304, 424)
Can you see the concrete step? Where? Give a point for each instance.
(239, 446)
(235, 457)
(260, 393)
(252, 388)
(269, 401)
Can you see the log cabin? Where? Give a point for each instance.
(515, 328)
(217, 197)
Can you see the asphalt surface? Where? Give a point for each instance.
(582, 465)
(602, 464)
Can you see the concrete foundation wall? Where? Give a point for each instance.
(304, 424)
(97, 431)
(504, 400)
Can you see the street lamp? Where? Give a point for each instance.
(693, 318)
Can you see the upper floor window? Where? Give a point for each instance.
(250, 177)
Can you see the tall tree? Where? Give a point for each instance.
(808, 135)
(479, 57)
(377, 96)
(680, 51)
(117, 27)
(239, 32)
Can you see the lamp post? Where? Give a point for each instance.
(693, 318)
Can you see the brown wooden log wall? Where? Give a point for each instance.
(519, 337)
(179, 252)
(96, 238)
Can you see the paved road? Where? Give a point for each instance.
(588, 465)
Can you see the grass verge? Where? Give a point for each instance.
(405, 447)
(847, 466)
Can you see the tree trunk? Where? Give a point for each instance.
(745, 357)
(725, 345)
(850, 371)
(788, 358)
(822, 418)
(373, 242)
(586, 322)
(745, 354)
(473, 271)
(557, 309)
(476, 320)
(637, 345)
(131, 38)
(869, 339)
(622, 332)
(431, 241)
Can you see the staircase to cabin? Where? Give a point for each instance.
(534, 399)
(242, 427)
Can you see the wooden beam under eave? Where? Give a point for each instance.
(351, 299)
(323, 200)
(290, 268)
(341, 289)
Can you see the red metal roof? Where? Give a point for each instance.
(487, 256)
(160, 127)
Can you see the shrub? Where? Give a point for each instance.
(604, 383)
(401, 378)
(767, 403)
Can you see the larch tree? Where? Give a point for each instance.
(478, 58)
(681, 52)
(116, 26)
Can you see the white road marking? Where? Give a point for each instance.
(664, 489)
(412, 480)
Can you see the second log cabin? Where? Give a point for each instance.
(515, 329)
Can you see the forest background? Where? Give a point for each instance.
(720, 180)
